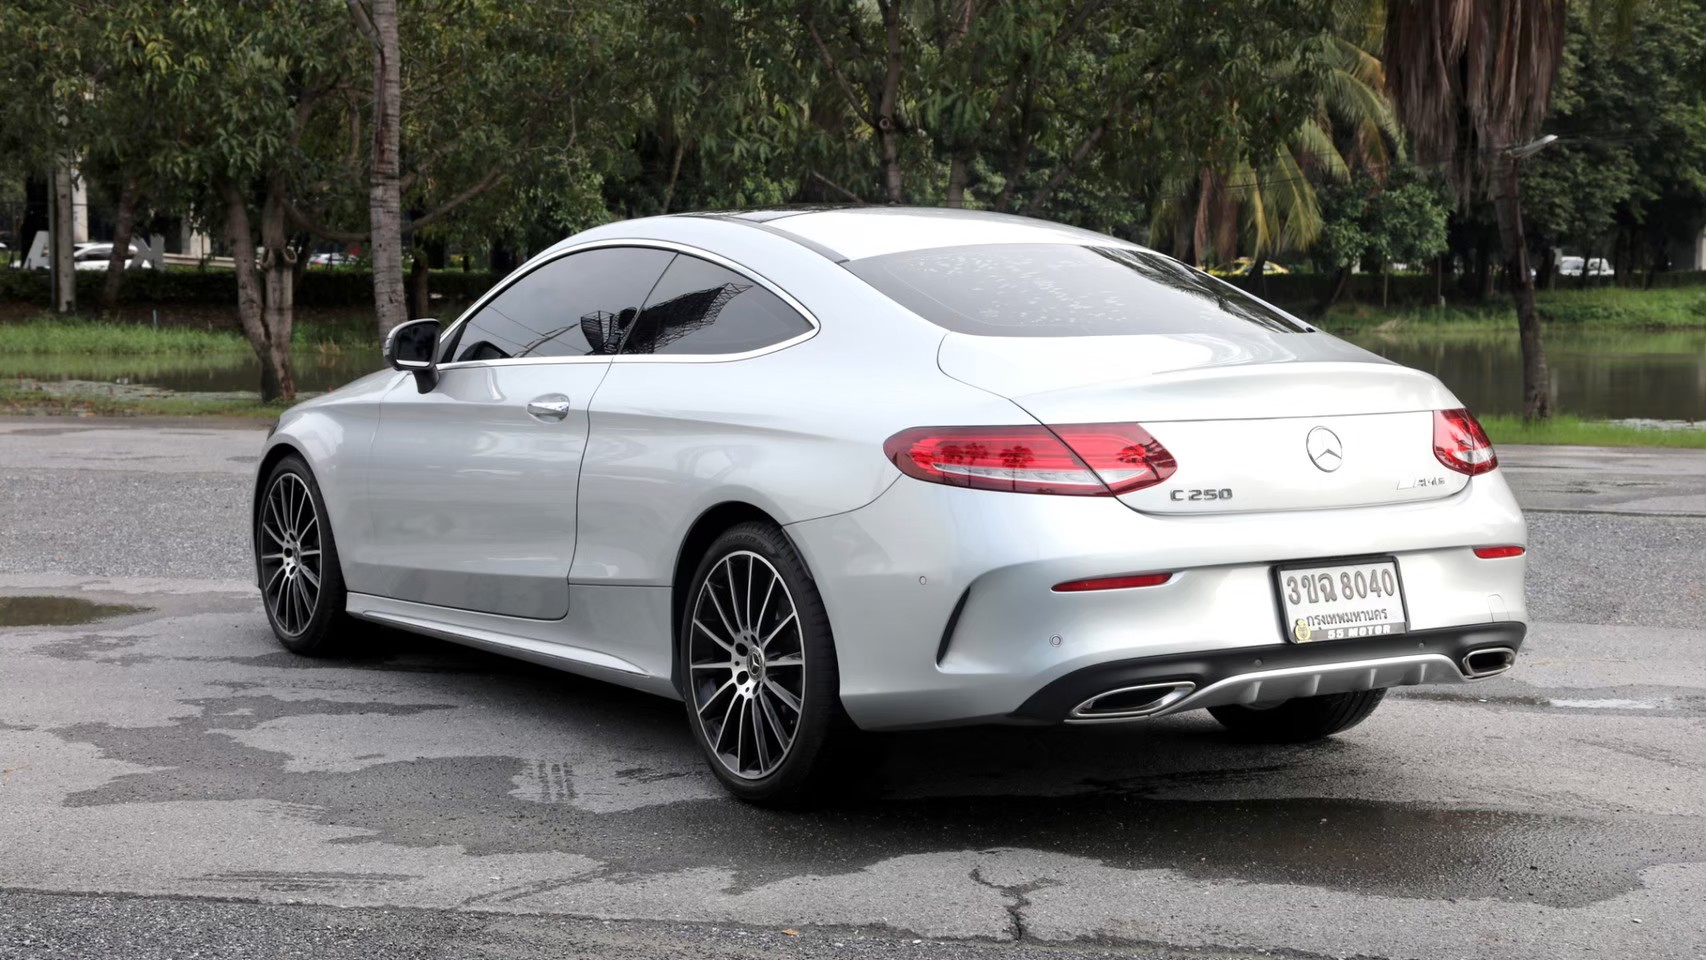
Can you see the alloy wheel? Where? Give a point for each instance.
(289, 544)
(746, 656)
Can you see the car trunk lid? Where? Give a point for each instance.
(1268, 421)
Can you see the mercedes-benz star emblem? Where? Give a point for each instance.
(1325, 450)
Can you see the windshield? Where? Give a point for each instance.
(1065, 290)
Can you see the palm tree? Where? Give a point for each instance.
(1471, 81)
(1270, 204)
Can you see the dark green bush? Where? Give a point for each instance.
(318, 288)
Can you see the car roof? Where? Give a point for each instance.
(854, 233)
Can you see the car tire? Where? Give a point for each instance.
(758, 676)
(296, 559)
(1299, 720)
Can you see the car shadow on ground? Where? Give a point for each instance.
(1175, 793)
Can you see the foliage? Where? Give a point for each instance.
(315, 288)
(1629, 170)
(1404, 219)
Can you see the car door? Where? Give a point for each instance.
(473, 484)
(683, 415)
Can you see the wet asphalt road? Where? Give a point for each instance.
(172, 784)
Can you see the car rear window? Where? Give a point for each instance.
(1064, 290)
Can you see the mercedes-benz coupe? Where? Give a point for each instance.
(819, 471)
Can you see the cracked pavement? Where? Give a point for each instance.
(172, 782)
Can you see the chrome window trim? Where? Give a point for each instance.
(669, 245)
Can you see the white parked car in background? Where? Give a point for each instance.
(98, 256)
(888, 468)
(1596, 267)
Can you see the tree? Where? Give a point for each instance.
(1471, 80)
(377, 22)
(1400, 216)
(1629, 172)
(1269, 204)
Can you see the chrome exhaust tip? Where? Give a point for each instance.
(1130, 703)
(1489, 662)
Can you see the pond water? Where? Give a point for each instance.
(316, 371)
(1595, 374)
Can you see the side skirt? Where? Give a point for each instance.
(536, 641)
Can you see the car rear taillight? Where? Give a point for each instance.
(1461, 444)
(1092, 460)
(1499, 553)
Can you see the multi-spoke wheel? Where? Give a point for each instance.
(291, 559)
(297, 561)
(758, 667)
(748, 664)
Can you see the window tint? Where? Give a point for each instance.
(701, 308)
(569, 307)
(1064, 290)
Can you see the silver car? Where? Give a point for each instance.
(821, 471)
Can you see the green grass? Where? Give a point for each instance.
(1503, 428)
(74, 336)
(1601, 308)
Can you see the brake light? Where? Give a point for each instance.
(1461, 444)
(1090, 460)
(1499, 553)
(1114, 583)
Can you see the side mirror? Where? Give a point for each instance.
(413, 348)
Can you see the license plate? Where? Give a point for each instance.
(1341, 601)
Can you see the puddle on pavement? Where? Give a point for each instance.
(58, 611)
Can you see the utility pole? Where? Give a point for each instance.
(64, 275)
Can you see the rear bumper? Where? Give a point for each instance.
(941, 605)
(1267, 673)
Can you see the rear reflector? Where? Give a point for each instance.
(1497, 553)
(1093, 460)
(1461, 444)
(1114, 583)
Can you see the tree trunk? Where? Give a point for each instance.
(278, 273)
(420, 289)
(120, 260)
(255, 311)
(958, 167)
(1483, 274)
(59, 253)
(674, 174)
(1199, 233)
(1338, 289)
(385, 191)
(1536, 378)
(888, 126)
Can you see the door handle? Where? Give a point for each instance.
(550, 407)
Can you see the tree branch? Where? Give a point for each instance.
(364, 23)
(302, 221)
(840, 78)
(838, 188)
(1065, 170)
(485, 183)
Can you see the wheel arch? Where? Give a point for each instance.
(276, 452)
(703, 532)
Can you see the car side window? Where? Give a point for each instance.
(699, 308)
(569, 307)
